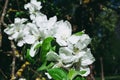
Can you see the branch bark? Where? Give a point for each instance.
(102, 69)
(2, 20)
(3, 14)
(13, 61)
(3, 74)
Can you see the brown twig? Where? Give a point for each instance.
(2, 23)
(2, 20)
(3, 14)
(3, 74)
(91, 75)
(102, 68)
(13, 61)
(38, 74)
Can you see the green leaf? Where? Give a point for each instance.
(38, 46)
(50, 65)
(80, 33)
(79, 78)
(58, 74)
(82, 72)
(75, 75)
(72, 74)
(19, 13)
(28, 57)
(44, 66)
(46, 46)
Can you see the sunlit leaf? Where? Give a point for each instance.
(28, 57)
(82, 72)
(79, 33)
(58, 74)
(72, 74)
(79, 78)
(46, 46)
(44, 66)
(38, 46)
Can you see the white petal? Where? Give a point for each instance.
(79, 55)
(52, 20)
(37, 5)
(52, 56)
(87, 58)
(33, 50)
(41, 20)
(26, 6)
(33, 6)
(67, 59)
(29, 39)
(48, 75)
(20, 43)
(15, 35)
(73, 39)
(21, 79)
(10, 38)
(9, 30)
(17, 20)
(66, 51)
(63, 30)
(61, 42)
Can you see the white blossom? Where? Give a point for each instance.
(72, 48)
(63, 32)
(33, 6)
(46, 27)
(80, 42)
(16, 30)
(34, 34)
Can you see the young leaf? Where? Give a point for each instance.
(50, 65)
(28, 57)
(79, 78)
(82, 72)
(38, 46)
(42, 67)
(75, 75)
(46, 46)
(72, 74)
(58, 74)
(79, 33)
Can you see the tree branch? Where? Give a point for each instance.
(3, 74)
(3, 14)
(102, 69)
(13, 61)
(2, 20)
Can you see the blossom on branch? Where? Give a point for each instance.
(72, 52)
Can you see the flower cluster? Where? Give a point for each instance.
(73, 47)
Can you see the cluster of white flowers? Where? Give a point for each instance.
(73, 48)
